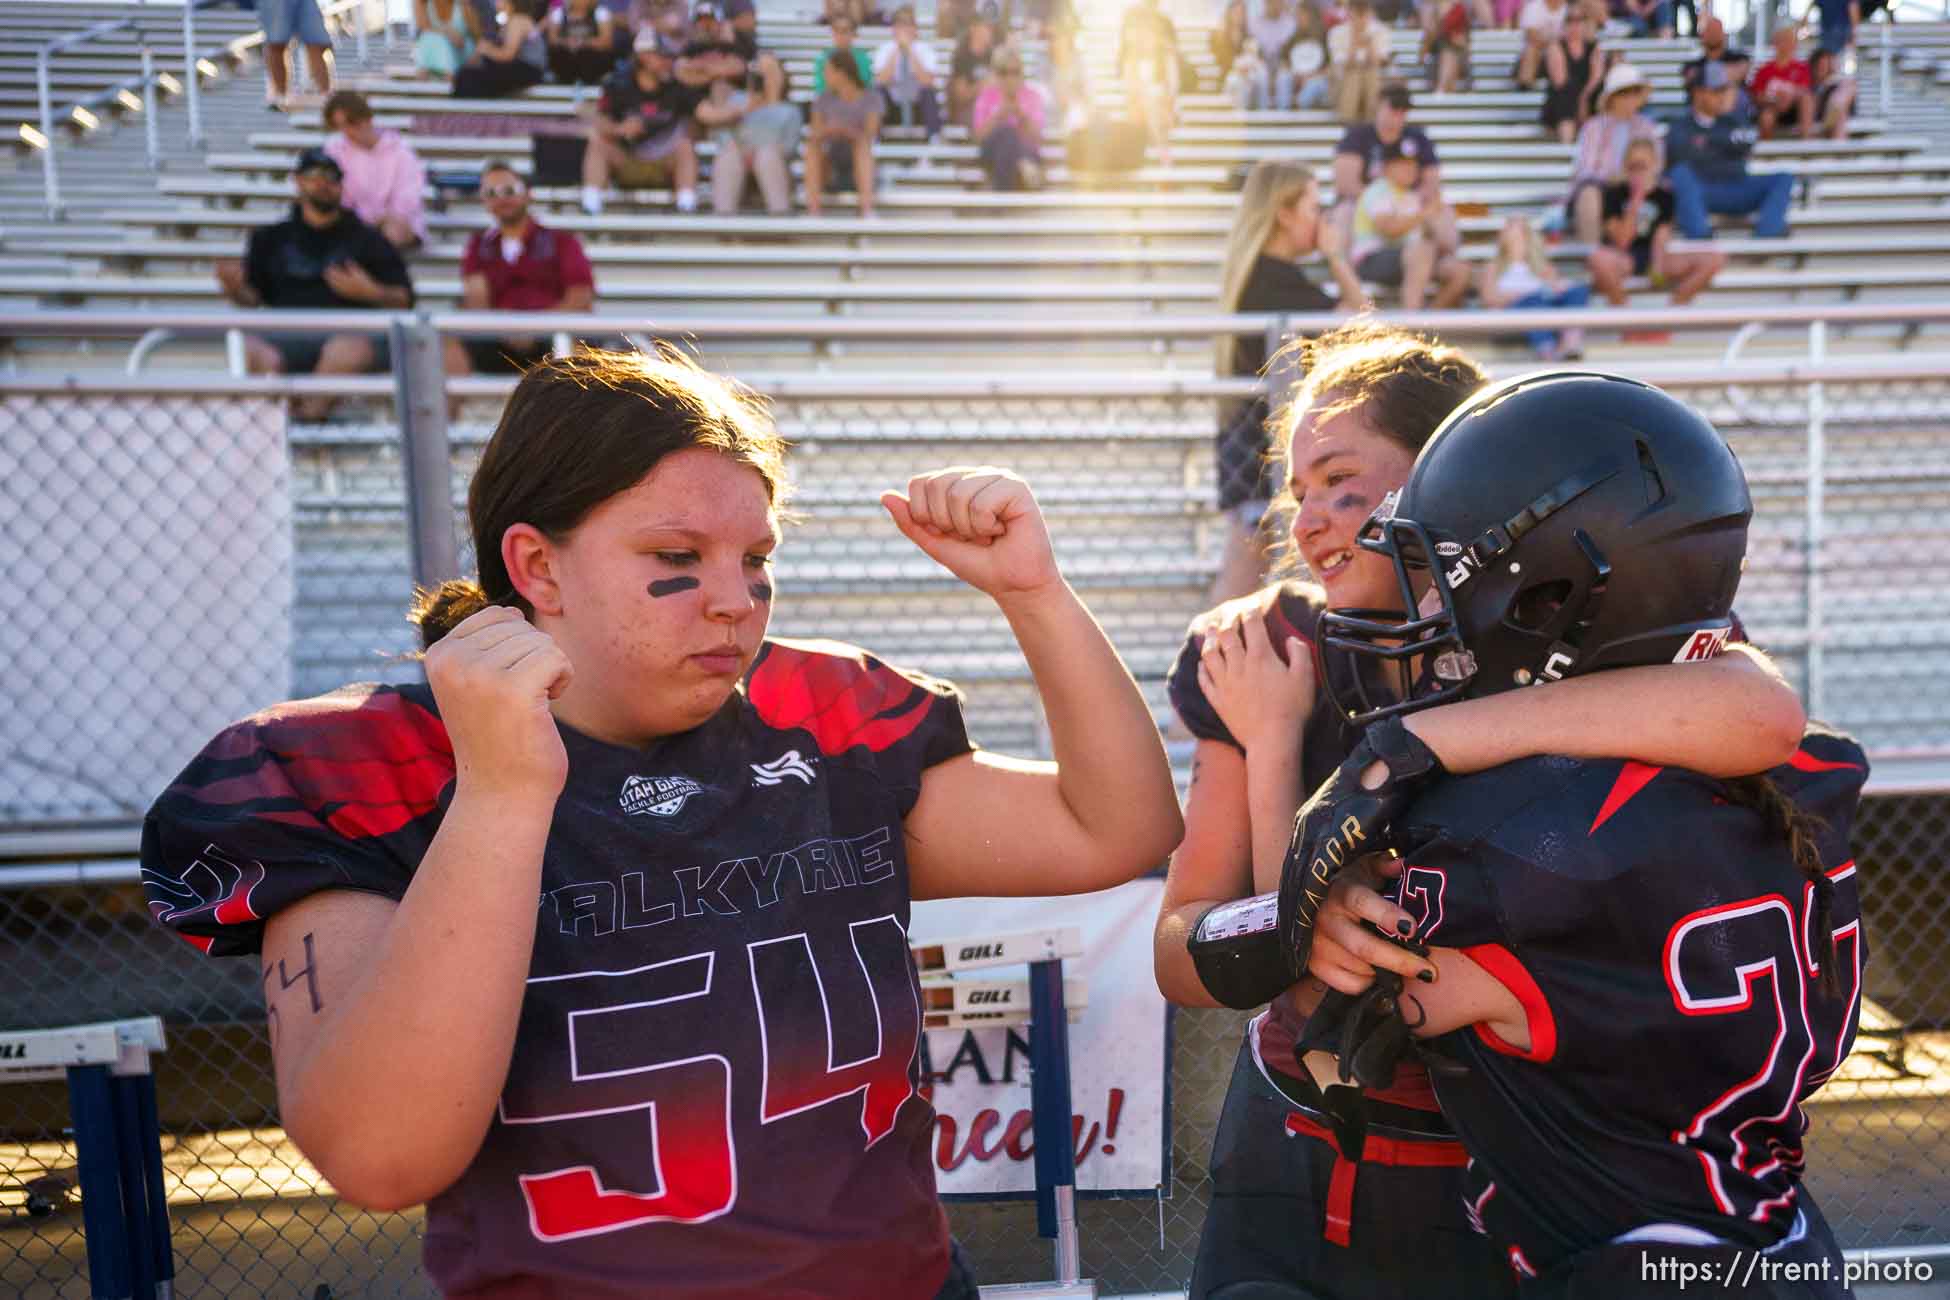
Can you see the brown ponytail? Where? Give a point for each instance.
(1802, 831)
(439, 611)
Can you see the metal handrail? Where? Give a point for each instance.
(133, 322)
(902, 385)
(192, 85)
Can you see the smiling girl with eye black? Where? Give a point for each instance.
(1288, 1213)
(632, 1090)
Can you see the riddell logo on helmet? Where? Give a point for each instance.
(1702, 645)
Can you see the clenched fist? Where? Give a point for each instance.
(494, 676)
(982, 524)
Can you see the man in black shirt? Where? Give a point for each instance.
(1357, 161)
(320, 256)
(641, 133)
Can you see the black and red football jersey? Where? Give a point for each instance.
(1661, 940)
(714, 1085)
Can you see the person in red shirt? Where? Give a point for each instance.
(517, 264)
(1784, 89)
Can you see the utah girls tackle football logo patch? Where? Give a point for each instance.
(660, 796)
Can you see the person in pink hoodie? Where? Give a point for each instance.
(384, 179)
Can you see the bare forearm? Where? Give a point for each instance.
(1112, 771)
(397, 1089)
(1171, 960)
(1273, 795)
(1728, 717)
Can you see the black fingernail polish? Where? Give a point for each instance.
(1404, 926)
(1426, 976)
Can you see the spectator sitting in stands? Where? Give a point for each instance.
(510, 60)
(641, 132)
(905, 73)
(1009, 119)
(1712, 47)
(1542, 22)
(1148, 64)
(1834, 93)
(321, 256)
(1357, 54)
(1230, 36)
(1602, 142)
(742, 17)
(1637, 236)
(1393, 243)
(1521, 276)
(1645, 17)
(1783, 89)
(1358, 155)
(1313, 82)
(447, 32)
(1574, 69)
(845, 122)
(1273, 28)
(582, 43)
(384, 180)
(755, 129)
(1839, 19)
(1739, 67)
(968, 69)
(1706, 162)
(843, 34)
(516, 264)
(1445, 40)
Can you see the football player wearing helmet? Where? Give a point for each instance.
(1356, 1170)
(1641, 971)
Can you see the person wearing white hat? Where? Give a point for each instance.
(1602, 140)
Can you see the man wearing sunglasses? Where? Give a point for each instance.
(321, 256)
(516, 264)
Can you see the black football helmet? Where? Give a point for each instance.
(1556, 524)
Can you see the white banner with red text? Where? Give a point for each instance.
(1119, 1068)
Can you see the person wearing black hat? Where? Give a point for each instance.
(321, 256)
(1706, 161)
(1358, 156)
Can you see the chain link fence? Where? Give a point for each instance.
(195, 558)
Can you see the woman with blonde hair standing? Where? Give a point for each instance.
(1278, 222)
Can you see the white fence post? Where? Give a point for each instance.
(49, 172)
(420, 398)
(192, 87)
(151, 130)
(1812, 543)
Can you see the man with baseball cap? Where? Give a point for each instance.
(1358, 159)
(641, 133)
(321, 256)
(1706, 162)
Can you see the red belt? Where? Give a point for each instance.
(1431, 1153)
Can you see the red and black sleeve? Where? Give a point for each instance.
(340, 792)
(847, 700)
